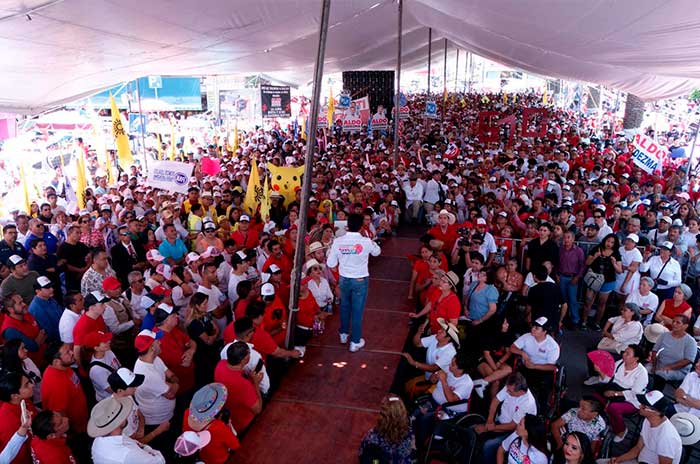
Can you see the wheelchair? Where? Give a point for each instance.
(453, 440)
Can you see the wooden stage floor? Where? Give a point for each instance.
(329, 399)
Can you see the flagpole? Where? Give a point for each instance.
(397, 100)
(143, 125)
(444, 83)
(430, 50)
(300, 251)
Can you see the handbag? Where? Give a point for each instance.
(594, 280)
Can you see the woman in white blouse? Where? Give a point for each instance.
(647, 300)
(319, 286)
(628, 279)
(623, 330)
(665, 270)
(630, 378)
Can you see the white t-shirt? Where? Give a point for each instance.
(662, 440)
(255, 357)
(691, 386)
(516, 454)
(155, 408)
(233, 281)
(650, 301)
(215, 299)
(635, 380)
(546, 352)
(66, 324)
(322, 292)
(440, 355)
(461, 386)
(627, 333)
(514, 408)
(99, 375)
(628, 257)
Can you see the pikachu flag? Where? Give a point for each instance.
(120, 137)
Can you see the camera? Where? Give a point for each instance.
(464, 242)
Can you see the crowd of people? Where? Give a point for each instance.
(151, 326)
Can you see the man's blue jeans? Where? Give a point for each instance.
(353, 295)
(570, 293)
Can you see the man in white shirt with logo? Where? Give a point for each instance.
(414, 198)
(350, 253)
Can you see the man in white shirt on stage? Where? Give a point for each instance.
(351, 254)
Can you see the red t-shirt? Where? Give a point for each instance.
(86, 325)
(241, 395)
(422, 271)
(449, 237)
(283, 263)
(263, 342)
(673, 311)
(10, 420)
(61, 391)
(246, 239)
(172, 347)
(239, 310)
(51, 451)
(307, 311)
(229, 334)
(275, 315)
(447, 308)
(222, 440)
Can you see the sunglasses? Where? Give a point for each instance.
(315, 268)
(85, 221)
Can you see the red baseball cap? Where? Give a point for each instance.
(95, 338)
(161, 291)
(145, 339)
(111, 283)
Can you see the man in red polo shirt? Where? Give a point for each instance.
(177, 348)
(90, 321)
(18, 323)
(262, 340)
(15, 388)
(244, 399)
(61, 390)
(277, 257)
(49, 446)
(246, 237)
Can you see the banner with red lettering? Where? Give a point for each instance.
(534, 122)
(647, 153)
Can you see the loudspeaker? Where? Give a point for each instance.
(378, 85)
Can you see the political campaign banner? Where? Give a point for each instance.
(275, 101)
(352, 122)
(646, 153)
(172, 176)
(431, 110)
(321, 122)
(404, 113)
(362, 106)
(379, 120)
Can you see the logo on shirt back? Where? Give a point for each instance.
(350, 249)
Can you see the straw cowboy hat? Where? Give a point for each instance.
(652, 332)
(450, 329)
(109, 414)
(688, 427)
(451, 217)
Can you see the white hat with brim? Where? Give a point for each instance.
(652, 332)
(688, 427)
(450, 329)
(451, 218)
(109, 414)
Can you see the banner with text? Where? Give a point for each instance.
(170, 175)
(275, 101)
(646, 153)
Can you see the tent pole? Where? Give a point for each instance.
(143, 126)
(456, 69)
(468, 73)
(444, 82)
(300, 252)
(691, 168)
(430, 50)
(397, 99)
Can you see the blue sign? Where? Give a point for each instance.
(402, 99)
(431, 109)
(344, 101)
(137, 124)
(174, 94)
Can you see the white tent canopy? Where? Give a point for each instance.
(58, 50)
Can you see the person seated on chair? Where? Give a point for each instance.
(577, 449)
(515, 400)
(659, 441)
(441, 348)
(455, 384)
(585, 419)
(539, 354)
(495, 363)
(688, 394)
(391, 440)
(623, 330)
(674, 306)
(527, 441)
(673, 354)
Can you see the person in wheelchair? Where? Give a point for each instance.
(440, 350)
(453, 385)
(507, 409)
(539, 353)
(527, 444)
(585, 419)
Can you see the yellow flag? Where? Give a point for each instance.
(120, 137)
(160, 147)
(235, 137)
(25, 188)
(172, 140)
(108, 168)
(254, 191)
(544, 97)
(505, 97)
(81, 179)
(265, 204)
(331, 109)
(303, 129)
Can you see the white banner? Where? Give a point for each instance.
(172, 176)
(646, 153)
